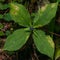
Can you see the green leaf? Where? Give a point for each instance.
(1, 16)
(7, 17)
(16, 40)
(1, 33)
(3, 6)
(58, 0)
(1, 26)
(20, 14)
(7, 33)
(45, 14)
(44, 43)
(57, 55)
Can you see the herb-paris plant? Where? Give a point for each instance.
(20, 15)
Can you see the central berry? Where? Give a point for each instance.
(31, 28)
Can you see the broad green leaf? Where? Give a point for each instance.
(44, 43)
(57, 55)
(3, 6)
(7, 33)
(45, 14)
(1, 16)
(20, 14)
(7, 17)
(1, 26)
(1, 33)
(16, 40)
(58, 0)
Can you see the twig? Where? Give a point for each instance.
(35, 53)
(55, 34)
(52, 33)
